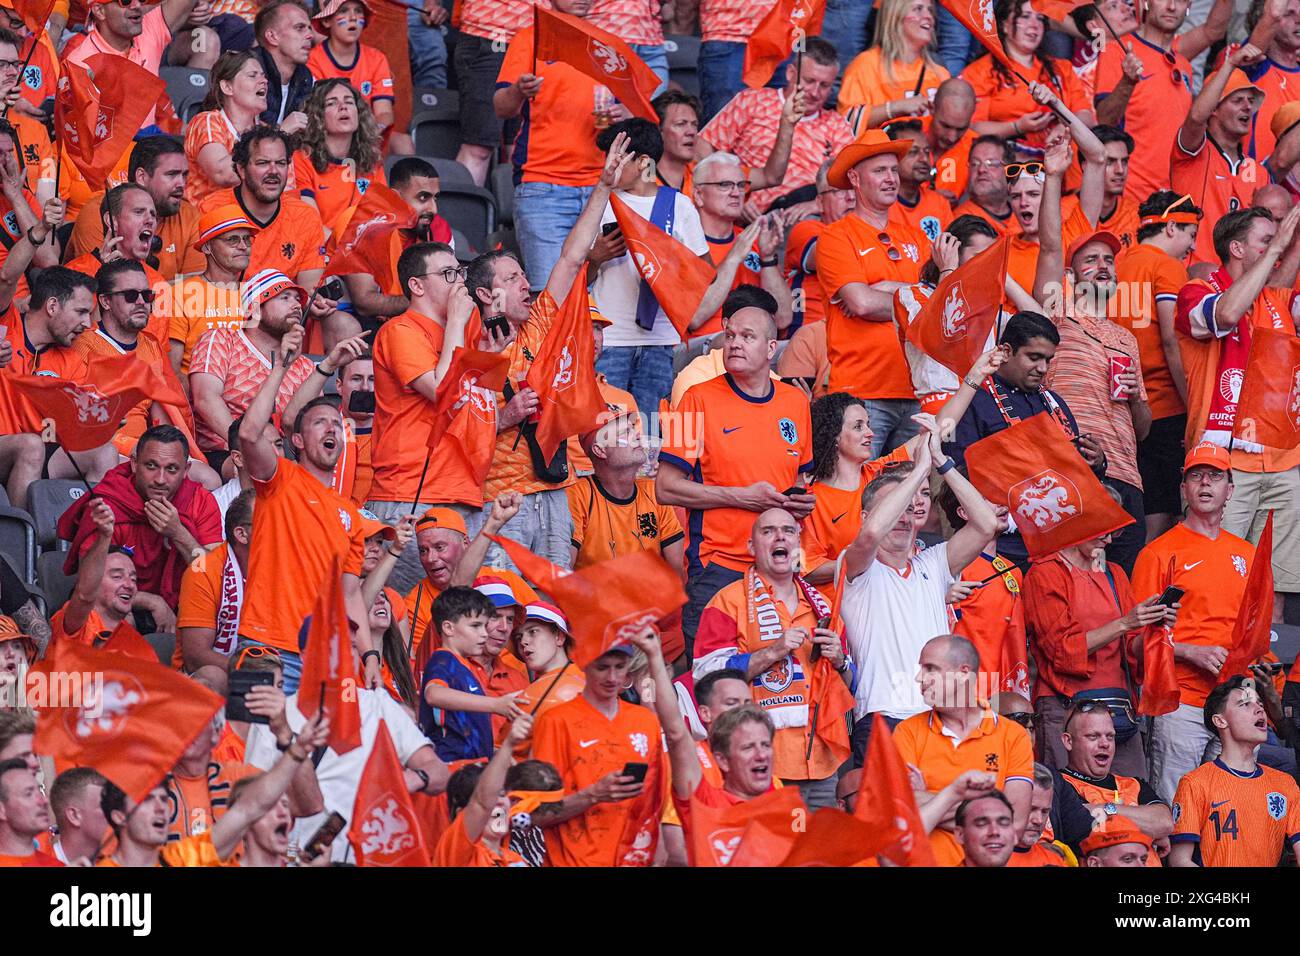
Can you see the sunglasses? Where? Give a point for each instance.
(255, 652)
(1175, 74)
(131, 295)
(1026, 719)
(885, 240)
(1016, 170)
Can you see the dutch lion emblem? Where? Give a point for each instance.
(1046, 500)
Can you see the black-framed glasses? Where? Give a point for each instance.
(729, 185)
(14, 65)
(1026, 719)
(449, 276)
(131, 295)
(1015, 170)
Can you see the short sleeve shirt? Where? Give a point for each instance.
(369, 72)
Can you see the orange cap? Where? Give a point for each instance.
(10, 631)
(872, 142)
(1099, 235)
(219, 221)
(1117, 831)
(442, 518)
(1208, 454)
(371, 526)
(1287, 115)
(1239, 81)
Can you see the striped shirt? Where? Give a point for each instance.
(241, 368)
(732, 21)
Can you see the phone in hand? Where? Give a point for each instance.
(824, 623)
(806, 381)
(1170, 596)
(498, 324)
(320, 840)
(636, 771)
(1271, 668)
(241, 682)
(609, 227)
(333, 289)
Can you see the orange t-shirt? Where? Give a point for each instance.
(354, 472)
(1040, 854)
(455, 849)
(293, 240)
(1000, 98)
(804, 282)
(198, 802)
(177, 233)
(867, 83)
(336, 190)
(971, 208)
(549, 690)
(557, 138)
(1157, 277)
(199, 305)
(36, 858)
(953, 166)
(585, 745)
(126, 642)
(1217, 182)
(97, 342)
(1281, 85)
(927, 215)
(209, 127)
(406, 347)
(1212, 574)
(204, 604)
(1236, 819)
(1022, 257)
(298, 523)
(605, 527)
(740, 440)
(866, 356)
(1123, 222)
(369, 71)
(17, 414)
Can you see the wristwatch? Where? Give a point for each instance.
(367, 654)
(947, 466)
(1109, 809)
(767, 263)
(424, 777)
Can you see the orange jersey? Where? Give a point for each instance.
(866, 356)
(97, 342)
(800, 248)
(1156, 277)
(732, 21)
(10, 228)
(557, 138)
(1022, 256)
(455, 849)
(198, 802)
(1160, 103)
(927, 215)
(952, 167)
(1004, 226)
(17, 415)
(406, 347)
(495, 19)
(997, 746)
(159, 319)
(146, 49)
(1220, 180)
(336, 190)
(210, 600)
(747, 274)
(993, 619)
(302, 525)
(1041, 853)
(741, 440)
(1212, 574)
(870, 81)
(35, 858)
(547, 691)
(369, 71)
(605, 527)
(585, 745)
(293, 240)
(1123, 222)
(198, 306)
(211, 127)
(1002, 98)
(195, 850)
(37, 151)
(1281, 85)
(354, 473)
(1237, 819)
(177, 233)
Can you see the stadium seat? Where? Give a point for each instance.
(1286, 643)
(435, 126)
(683, 54)
(464, 252)
(4, 497)
(164, 645)
(187, 89)
(503, 238)
(449, 171)
(47, 499)
(18, 541)
(470, 209)
(502, 182)
(431, 99)
(687, 352)
(55, 585)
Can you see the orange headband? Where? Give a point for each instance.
(1170, 215)
(527, 801)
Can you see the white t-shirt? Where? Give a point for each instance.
(225, 495)
(618, 281)
(340, 775)
(889, 616)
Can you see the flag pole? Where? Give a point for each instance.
(920, 80)
(1110, 29)
(549, 688)
(77, 469)
(535, 28)
(36, 38)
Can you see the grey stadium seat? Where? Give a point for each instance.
(48, 499)
(187, 89)
(18, 542)
(55, 585)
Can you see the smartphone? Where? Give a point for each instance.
(333, 289)
(823, 622)
(241, 682)
(498, 324)
(796, 380)
(1271, 668)
(320, 840)
(609, 227)
(636, 771)
(1170, 596)
(362, 401)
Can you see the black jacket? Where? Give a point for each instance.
(300, 85)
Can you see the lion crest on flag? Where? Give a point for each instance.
(1293, 399)
(646, 263)
(956, 313)
(92, 407)
(610, 61)
(982, 13)
(1046, 500)
(724, 843)
(387, 829)
(105, 707)
(564, 370)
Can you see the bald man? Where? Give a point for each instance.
(949, 133)
(1274, 198)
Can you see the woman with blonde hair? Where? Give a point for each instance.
(341, 153)
(898, 75)
(236, 98)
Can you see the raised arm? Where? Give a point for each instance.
(681, 745)
(1191, 137)
(339, 356)
(492, 781)
(885, 512)
(1051, 257)
(1203, 36)
(91, 572)
(573, 254)
(1236, 302)
(258, 453)
(773, 171)
(374, 582)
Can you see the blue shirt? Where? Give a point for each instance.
(456, 734)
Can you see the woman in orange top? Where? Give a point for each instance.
(1004, 107)
(235, 100)
(341, 152)
(882, 82)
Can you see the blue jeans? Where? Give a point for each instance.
(543, 525)
(644, 370)
(955, 42)
(891, 422)
(656, 57)
(544, 216)
(290, 664)
(719, 68)
(847, 26)
(428, 49)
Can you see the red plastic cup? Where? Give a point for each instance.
(1119, 364)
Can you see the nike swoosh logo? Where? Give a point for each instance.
(584, 744)
(728, 431)
(1219, 804)
(863, 252)
(834, 520)
(1188, 567)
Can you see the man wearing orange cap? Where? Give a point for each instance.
(862, 260)
(1210, 565)
(211, 300)
(1210, 158)
(1117, 844)
(1286, 152)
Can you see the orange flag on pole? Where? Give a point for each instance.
(88, 414)
(365, 243)
(130, 719)
(758, 832)
(597, 54)
(786, 25)
(385, 830)
(954, 323)
(887, 804)
(1160, 693)
(465, 412)
(678, 277)
(34, 13)
(1253, 630)
(1268, 410)
(329, 676)
(1054, 498)
(98, 109)
(564, 373)
(606, 602)
(977, 17)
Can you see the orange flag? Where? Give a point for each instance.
(887, 804)
(365, 243)
(597, 54)
(88, 414)
(465, 410)
(758, 832)
(954, 323)
(564, 373)
(831, 700)
(606, 602)
(385, 830)
(1160, 692)
(329, 677)
(1055, 499)
(788, 23)
(34, 13)
(130, 719)
(1253, 630)
(1268, 411)
(833, 838)
(1057, 9)
(98, 108)
(678, 277)
(977, 17)
(125, 639)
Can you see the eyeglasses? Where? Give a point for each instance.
(6, 65)
(1206, 476)
(131, 295)
(887, 241)
(986, 164)
(1016, 170)
(449, 276)
(729, 185)
(256, 652)
(231, 239)
(1027, 719)
(842, 193)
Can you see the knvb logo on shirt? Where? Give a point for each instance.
(1047, 499)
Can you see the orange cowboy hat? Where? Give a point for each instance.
(872, 142)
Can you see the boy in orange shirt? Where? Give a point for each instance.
(479, 834)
